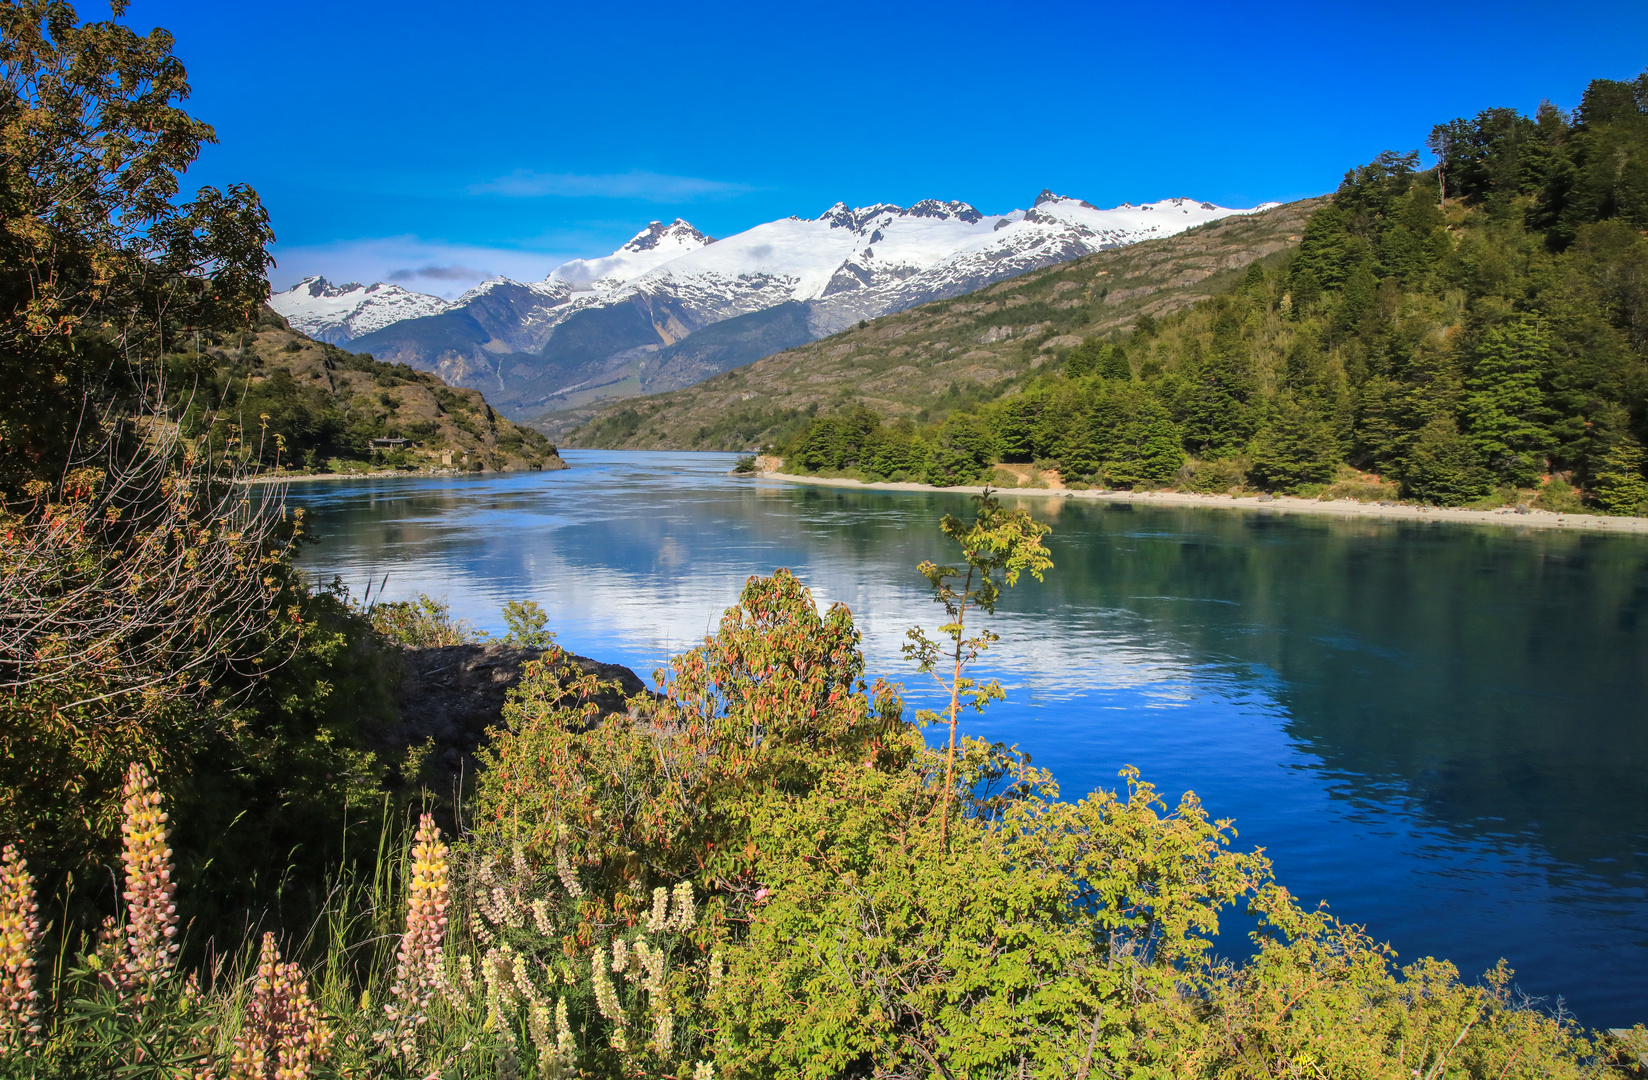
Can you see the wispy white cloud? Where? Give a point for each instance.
(433, 267)
(639, 185)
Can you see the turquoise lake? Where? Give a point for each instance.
(1441, 730)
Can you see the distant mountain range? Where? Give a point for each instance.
(673, 306)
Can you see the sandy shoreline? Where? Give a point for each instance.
(1345, 508)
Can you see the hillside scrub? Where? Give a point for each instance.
(1465, 347)
(320, 407)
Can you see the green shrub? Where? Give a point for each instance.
(526, 622)
(1558, 496)
(421, 623)
(1217, 476)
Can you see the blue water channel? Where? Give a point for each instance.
(1439, 729)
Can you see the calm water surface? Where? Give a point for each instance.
(1441, 730)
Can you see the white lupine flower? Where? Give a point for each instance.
(563, 1030)
(686, 912)
(538, 1026)
(563, 869)
(540, 917)
(523, 981)
(606, 998)
(659, 918)
(620, 955)
(663, 1032)
(642, 950)
(654, 961)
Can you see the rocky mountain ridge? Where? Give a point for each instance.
(628, 323)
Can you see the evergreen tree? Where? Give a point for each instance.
(1382, 431)
(1216, 419)
(965, 447)
(1444, 466)
(1015, 427)
(1619, 485)
(1147, 448)
(1327, 253)
(1112, 363)
(1505, 408)
(1081, 361)
(1295, 446)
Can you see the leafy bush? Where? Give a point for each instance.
(422, 622)
(526, 622)
(1215, 477)
(1559, 496)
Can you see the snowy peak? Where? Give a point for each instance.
(860, 218)
(647, 250)
(337, 313)
(842, 216)
(945, 210)
(318, 288)
(677, 234)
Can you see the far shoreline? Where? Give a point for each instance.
(1288, 504)
(383, 474)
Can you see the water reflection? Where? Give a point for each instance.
(1441, 729)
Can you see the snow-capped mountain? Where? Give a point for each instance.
(635, 321)
(651, 248)
(337, 313)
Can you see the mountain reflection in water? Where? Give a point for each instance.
(1441, 729)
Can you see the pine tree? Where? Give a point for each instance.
(1620, 487)
(1505, 409)
(1295, 446)
(1147, 448)
(1444, 466)
(1112, 363)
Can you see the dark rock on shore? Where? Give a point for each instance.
(453, 694)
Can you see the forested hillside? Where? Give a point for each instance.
(310, 405)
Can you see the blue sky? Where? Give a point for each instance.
(439, 143)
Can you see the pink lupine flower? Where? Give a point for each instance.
(151, 914)
(19, 937)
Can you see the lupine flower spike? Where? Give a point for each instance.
(282, 1036)
(418, 970)
(19, 937)
(151, 916)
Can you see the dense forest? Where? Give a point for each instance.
(1474, 333)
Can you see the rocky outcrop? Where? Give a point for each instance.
(455, 694)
